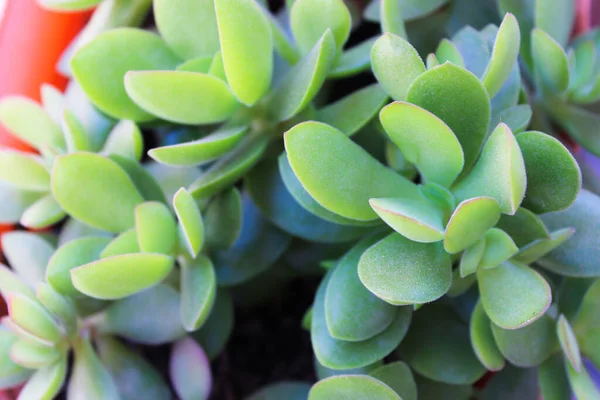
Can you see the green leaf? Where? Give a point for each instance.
(72, 255)
(352, 313)
(310, 19)
(512, 383)
(199, 151)
(471, 257)
(400, 271)
(25, 119)
(499, 247)
(539, 248)
(120, 276)
(430, 353)
(363, 178)
(447, 51)
(551, 65)
(223, 220)
(396, 64)
(246, 47)
(585, 59)
(73, 229)
(15, 202)
(100, 66)
(258, 246)
(499, 173)
(95, 190)
(568, 343)
(301, 83)
(447, 91)
(523, 227)
(553, 176)
(11, 374)
(156, 321)
(199, 64)
(76, 137)
(198, 290)
(28, 254)
(125, 139)
(31, 316)
(432, 390)
(471, 219)
(473, 49)
(516, 117)
(552, 379)
(437, 155)
(392, 18)
(133, 376)
(125, 243)
(411, 9)
(582, 384)
(397, 375)
(504, 55)
(188, 26)
(215, 333)
(417, 219)
(189, 370)
(144, 182)
(324, 372)
(46, 382)
(483, 341)
(23, 171)
(60, 306)
(340, 354)
(571, 294)
(354, 60)
(348, 387)
(43, 213)
(33, 355)
(288, 390)
(181, 96)
(282, 42)
(556, 18)
(156, 228)
(577, 256)
(66, 5)
(89, 378)
(513, 295)
(190, 221)
(581, 125)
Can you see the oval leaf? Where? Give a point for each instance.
(198, 289)
(189, 370)
(483, 341)
(471, 219)
(190, 220)
(309, 19)
(550, 61)
(89, 378)
(347, 387)
(156, 228)
(46, 382)
(499, 247)
(504, 55)
(23, 171)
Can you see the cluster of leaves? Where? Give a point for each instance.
(452, 238)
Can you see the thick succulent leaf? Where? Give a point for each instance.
(582, 384)
(471, 219)
(133, 376)
(578, 256)
(353, 60)
(258, 246)
(75, 135)
(585, 58)
(431, 390)
(309, 19)
(512, 383)
(11, 374)
(571, 294)
(431, 61)
(188, 26)
(198, 290)
(473, 49)
(156, 321)
(447, 51)
(181, 96)
(125, 243)
(504, 55)
(401, 271)
(352, 313)
(200, 151)
(556, 18)
(156, 228)
(246, 47)
(499, 173)
(72, 255)
(483, 341)
(46, 382)
(95, 190)
(499, 247)
(60, 306)
(552, 379)
(223, 220)
(24, 334)
(347, 194)
(471, 257)
(120, 276)
(23, 171)
(425, 140)
(11, 282)
(429, 353)
(73, 229)
(145, 183)
(348, 387)
(513, 295)
(213, 336)
(551, 63)
(99, 67)
(581, 125)
(43, 213)
(89, 378)
(268, 192)
(392, 19)
(396, 64)
(190, 221)
(28, 254)
(415, 218)
(523, 227)
(587, 324)
(411, 9)
(539, 248)
(553, 176)
(516, 117)
(25, 119)
(340, 354)
(398, 376)
(288, 390)
(324, 372)
(15, 202)
(29, 315)
(189, 369)
(303, 81)
(199, 64)
(568, 343)
(33, 355)
(447, 91)
(283, 44)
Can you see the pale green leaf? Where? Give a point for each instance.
(198, 290)
(29, 315)
(89, 379)
(398, 376)
(483, 341)
(189, 369)
(471, 257)
(23, 170)
(190, 221)
(350, 387)
(551, 63)
(156, 228)
(504, 55)
(499, 247)
(43, 213)
(46, 383)
(125, 139)
(309, 19)
(28, 254)
(471, 219)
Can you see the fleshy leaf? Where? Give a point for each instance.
(471, 219)
(499, 173)
(447, 51)
(125, 243)
(288, 390)
(556, 18)
(95, 190)
(75, 135)
(246, 47)
(33, 355)
(431, 390)
(523, 227)
(568, 343)
(539, 248)
(99, 67)
(447, 91)
(46, 382)
(11, 374)
(190, 221)
(353, 60)
(399, 377)
(347, 387)
(145, 183)
(348, 194)
(453, 347)
(198, 289)
(156, 228)
(504, 55)
(582, 384)
(396, 64)
(15, 202)
(513, 294)
(213, 336)
(392, 19)
(181, 96)
(60, 306)
(32, 317)
(28, 254)
(499, 247)
(517, 118)
(552, 378)
(120, 276)
(471, 257)
(550, 61)
(23, 171)
(223, 220)
(89, 378)
(401, 271)
(198, 64)
(43, 213)
(483, 340)
(189, 369)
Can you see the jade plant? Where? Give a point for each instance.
(203, 165)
